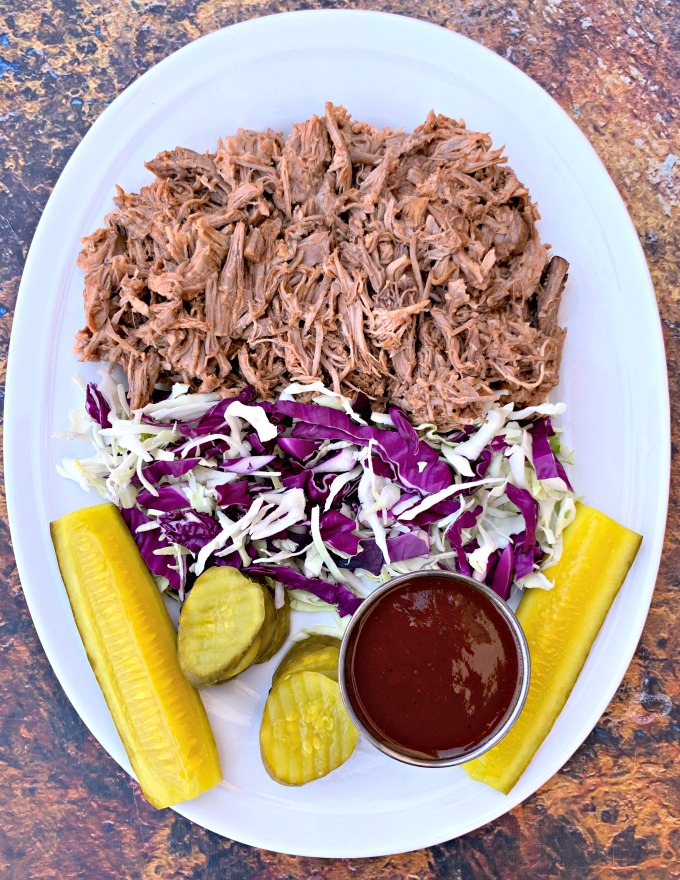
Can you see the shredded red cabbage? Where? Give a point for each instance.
(529, 508)
(334, 594)
(97, 406)
(213, 421)
(400, 548)
(503, 573)
(454, 534)
(337, 530)
(236, 494)
(155, 471)
(323, 423)
(167, 499)
(272, 472)
(546, 463)
(149, 541)
(191, 530)
(299, 449)
(246, 466)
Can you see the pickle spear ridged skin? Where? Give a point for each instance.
(560, 626)
(132, 647)
(305, 732)
(220, 626)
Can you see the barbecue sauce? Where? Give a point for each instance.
(433, 668)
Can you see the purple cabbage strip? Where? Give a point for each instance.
(498, 444)
(298, 449)
(316, 486)
(524, 563)
(155, 471)
(400, 548)
(454, 536)
(503, 573)
(337, 530)
(295, 476)
(233, 559)
(436, 512)
(205, 448)
(382, 468)
(167, 500)
(461, 435)
(256, 444)
(299, 538)
(370, 558)
(405, 430)
(334, 594)
(97, 406)
(546, 463)
(361, 405)
(526, 555)
(236, 493)
(149, 541)
(407, 546)
(246, 465)
(529, 508)
(192, 530)
(216, 449)
(518, 558)
(481, 465)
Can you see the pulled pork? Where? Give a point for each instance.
(404, 265)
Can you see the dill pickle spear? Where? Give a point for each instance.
(560, 626)
(131, 644)
(306, 731)
(220, 625)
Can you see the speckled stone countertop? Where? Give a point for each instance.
(66, 809)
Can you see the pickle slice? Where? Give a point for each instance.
(306, 732)
(247, 660)
(318, 653)
(560, 626)
(220, 626)
(320, 659)
(281, 631)
(131, 644)
(269, 625)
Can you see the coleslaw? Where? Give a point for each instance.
(326, 498)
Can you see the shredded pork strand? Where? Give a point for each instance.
(404, 265)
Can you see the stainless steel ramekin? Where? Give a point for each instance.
(523, 672)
